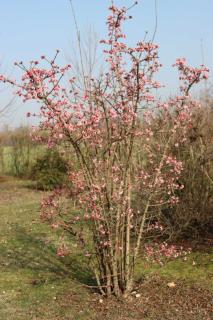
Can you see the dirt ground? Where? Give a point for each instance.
(154, 299)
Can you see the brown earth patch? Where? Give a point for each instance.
(153, 300)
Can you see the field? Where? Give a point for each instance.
(36, 284)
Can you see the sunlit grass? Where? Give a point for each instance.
(196, 268)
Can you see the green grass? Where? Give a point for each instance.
(197, 269)
(32, 277)
(36, 284)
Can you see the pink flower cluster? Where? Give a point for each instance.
(190, 75)
(62, 250)
(159, 252)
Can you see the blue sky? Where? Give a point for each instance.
(30, 28)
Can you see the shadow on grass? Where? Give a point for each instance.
(27, 251)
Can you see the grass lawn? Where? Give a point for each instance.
(36, 284)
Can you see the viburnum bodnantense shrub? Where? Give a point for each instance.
(120, 175)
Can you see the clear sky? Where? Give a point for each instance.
(30, 28)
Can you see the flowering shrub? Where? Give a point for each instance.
(120, 174)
